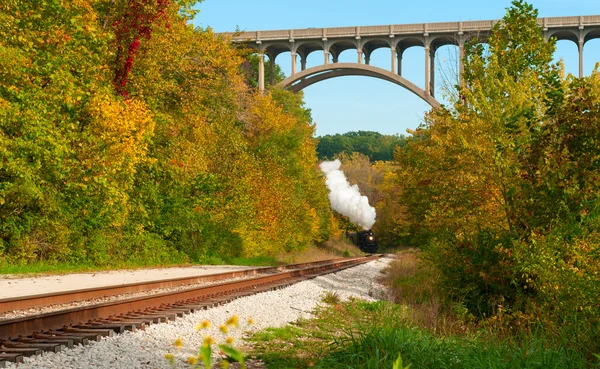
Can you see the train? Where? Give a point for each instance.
(365, 240)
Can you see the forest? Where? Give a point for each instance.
(376, 146)
(127, 136)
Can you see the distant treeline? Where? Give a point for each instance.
(372, 144)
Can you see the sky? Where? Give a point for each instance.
(354, 103)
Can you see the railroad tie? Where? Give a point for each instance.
(97, 331)
(78, 338)
(50, 347)
(13, 358)
(23, 351)
(58, 341)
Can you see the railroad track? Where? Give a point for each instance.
(54, 331)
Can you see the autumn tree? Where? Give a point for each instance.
(465, 170)
(130, 136)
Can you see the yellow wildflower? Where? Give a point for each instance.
(250, 321)
(208, 340)
(178, 343)
(223, 328)
(203, 324)
(229, 340)
(192, 360)
(224, 364)
(234, 321)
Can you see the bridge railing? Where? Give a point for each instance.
(403, 29)
(443, 27)
(374, 30)
(308, 32)
(340, 31)
(592, 19)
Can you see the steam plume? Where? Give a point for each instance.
(346, 199)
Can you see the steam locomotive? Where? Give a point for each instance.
(365, 240)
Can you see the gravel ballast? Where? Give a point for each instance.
(146, 349)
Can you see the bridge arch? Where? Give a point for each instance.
(308, 77)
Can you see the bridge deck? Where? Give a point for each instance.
(405, 29)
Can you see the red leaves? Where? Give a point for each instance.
(137, 21)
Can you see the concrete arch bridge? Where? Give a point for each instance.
(397, 38)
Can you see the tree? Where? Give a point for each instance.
(372, 144)
(465, 171)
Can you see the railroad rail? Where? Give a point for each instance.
(30, 335)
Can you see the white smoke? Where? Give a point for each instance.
(346, 199)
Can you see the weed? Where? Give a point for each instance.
(331, 298)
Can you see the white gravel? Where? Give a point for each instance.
(146, 349)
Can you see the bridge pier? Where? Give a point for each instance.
(580, 43)
(271, 69)
(293, 63)
(461, 55)
(394, 58)
(261, 72)
(400, 62)
(432, 78)
(427, 71)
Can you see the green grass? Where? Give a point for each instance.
(378, 347)
(285, 333)
(63, 268)
(255, 261)
(366, 335)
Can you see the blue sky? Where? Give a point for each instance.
(361, 103)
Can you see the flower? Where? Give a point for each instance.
(178, 343)
(233, 321)
(204, 324)
(171, 358)
(208, 340)
(224, 364)
(192, 360)
(223, 328)
(250, 321)
(229, 340)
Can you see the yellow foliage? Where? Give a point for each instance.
(265, 116)
(115, 145)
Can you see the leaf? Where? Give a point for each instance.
(233, 353)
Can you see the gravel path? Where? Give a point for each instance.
(146, 349)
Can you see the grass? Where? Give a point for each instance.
(427, 330)
(363, 335)
(329, 250)
(63, 268)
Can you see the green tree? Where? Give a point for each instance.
(372, 144)
(464, 173)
